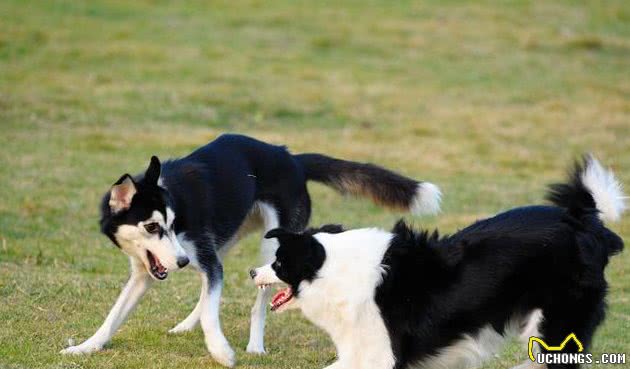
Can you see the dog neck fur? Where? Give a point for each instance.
(342, 298)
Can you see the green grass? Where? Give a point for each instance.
(491, 100)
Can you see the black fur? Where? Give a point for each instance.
(213, 189)
(326, 228)
(383, 186)
(547, 257)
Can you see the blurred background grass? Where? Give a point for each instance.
(491, 100)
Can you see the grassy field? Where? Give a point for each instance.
(491, 100)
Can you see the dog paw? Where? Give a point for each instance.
(181, 328)
(82, 349)
(256, 348)
(224, 355)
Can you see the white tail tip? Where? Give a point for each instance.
(427, 199)
(605, 189)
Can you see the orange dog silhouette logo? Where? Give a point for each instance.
(570, 337)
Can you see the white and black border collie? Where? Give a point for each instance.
(193, 209)
(404, 299)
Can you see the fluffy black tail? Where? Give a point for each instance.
(591, 189)
(384, 187)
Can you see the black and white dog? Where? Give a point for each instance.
(193, 209)
(404, 299)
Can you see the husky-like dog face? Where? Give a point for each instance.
(137, 217)
(298, 258)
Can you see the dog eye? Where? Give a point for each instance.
(277, 264)
(152, 227)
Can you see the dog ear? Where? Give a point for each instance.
(326, 228)
(278, 233)
(121, 194)
(152, 174)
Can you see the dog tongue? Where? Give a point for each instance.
(280, 295)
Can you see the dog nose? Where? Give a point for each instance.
(252, 273)
(182, 261)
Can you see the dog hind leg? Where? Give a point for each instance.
(216, 342)
(569, 314)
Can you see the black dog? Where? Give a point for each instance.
(194, 208)
(403, 299)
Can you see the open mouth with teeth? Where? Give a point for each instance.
(156, 268)
(281, 299)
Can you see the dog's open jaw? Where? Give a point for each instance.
(281, 300)
(156, 268)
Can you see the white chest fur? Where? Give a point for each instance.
(341, 299)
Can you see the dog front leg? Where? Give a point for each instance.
(256, 343)
(137, 285)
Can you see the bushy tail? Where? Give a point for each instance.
(384, 187)
(591, 188)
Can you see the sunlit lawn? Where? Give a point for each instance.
(491, 100)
